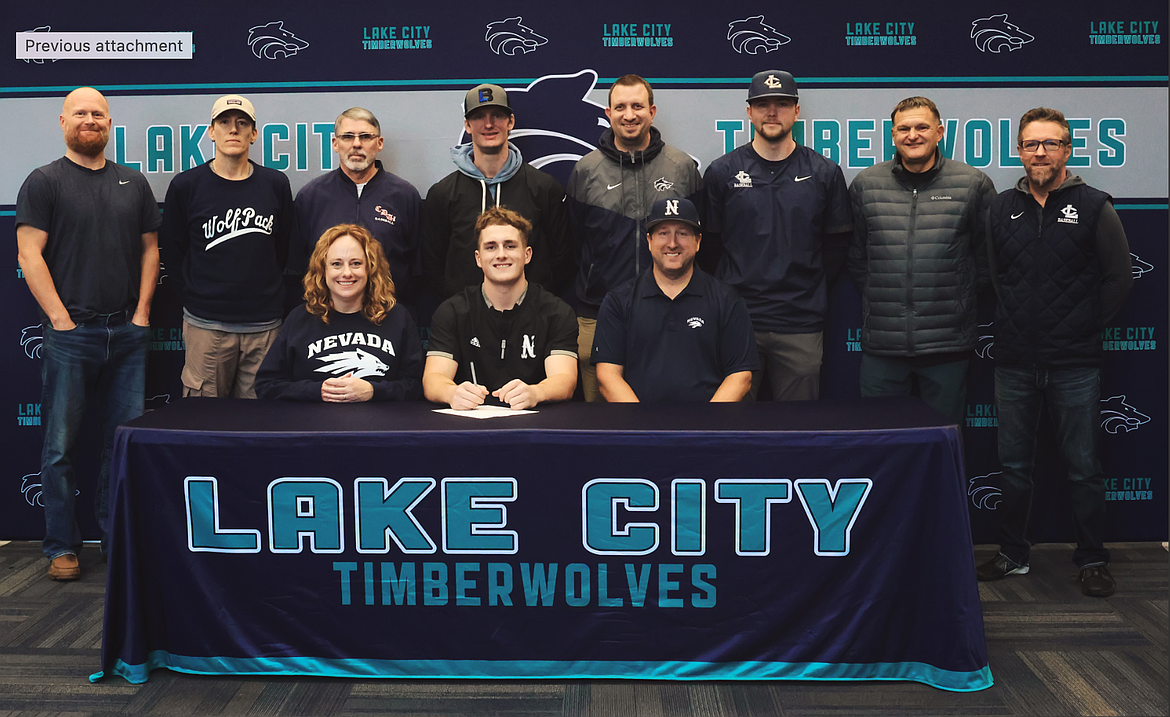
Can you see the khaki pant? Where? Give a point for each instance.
(585, 330)
(222, 364)
(791, 364)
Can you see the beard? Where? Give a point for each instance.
(1045, 175)
(356, 164)
(92, 146)
(774, 137)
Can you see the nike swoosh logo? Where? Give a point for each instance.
(801, 179)
(1017, 216)
(126, 182)
(614, 186)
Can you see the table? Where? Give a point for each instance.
(822, 540)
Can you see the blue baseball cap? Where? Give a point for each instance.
(772, 83)
(673, 210)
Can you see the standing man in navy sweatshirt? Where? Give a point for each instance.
(224, 242)
(361, 192)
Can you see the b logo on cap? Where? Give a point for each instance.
(485, 95)
(671, 208)
(772, 82)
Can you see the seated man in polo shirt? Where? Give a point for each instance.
(675, 333)
(505, 337)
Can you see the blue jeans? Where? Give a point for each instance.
(1073, 397)
(943, 386)
(104, 359)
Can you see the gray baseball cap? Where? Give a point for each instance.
(485, 96)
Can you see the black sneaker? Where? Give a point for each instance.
(999, 568)
(1096, 581)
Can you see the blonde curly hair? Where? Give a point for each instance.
(378, 297)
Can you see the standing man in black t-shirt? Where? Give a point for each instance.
(224, 239)
(506, 337)
(86, 231)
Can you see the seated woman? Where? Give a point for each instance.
(350, 341)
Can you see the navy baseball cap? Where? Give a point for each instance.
(772, 83)
(485, 96)
(673, 210)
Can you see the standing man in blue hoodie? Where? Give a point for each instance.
(490, 172)
(611, 191)
(224, 241)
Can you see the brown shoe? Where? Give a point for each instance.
(64, 567)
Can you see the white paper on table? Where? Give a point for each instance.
(485, 412)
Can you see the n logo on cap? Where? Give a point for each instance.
(772, 82)
(485, 95)
(671, 208)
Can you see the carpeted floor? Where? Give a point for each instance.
(1052, 652)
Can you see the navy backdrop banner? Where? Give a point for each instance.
(984, 65)
(403, 543)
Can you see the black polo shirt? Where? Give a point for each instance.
(680, 349)
(503, 345)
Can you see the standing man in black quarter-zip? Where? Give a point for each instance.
(1061, 268)
(918, 259)
(610, 194)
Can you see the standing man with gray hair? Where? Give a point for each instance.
(225, 236)
(918, 258)
(361, 191)
(86, 233)
(778, 223)
(1061, 269)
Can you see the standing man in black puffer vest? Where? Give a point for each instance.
(610, 194)
(1061, 268)
(918, 258)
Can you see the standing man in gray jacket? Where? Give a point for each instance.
(610, 195)
(918, 258)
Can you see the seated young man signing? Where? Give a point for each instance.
(505, 337)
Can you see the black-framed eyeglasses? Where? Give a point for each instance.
(1050, 145)
(349, 137)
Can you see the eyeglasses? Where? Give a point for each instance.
(1050, 145)
(349, 137)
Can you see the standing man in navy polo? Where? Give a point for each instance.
(674, 333)
(779, 224)
(362, 192)
(1060, 265)
(87, 242)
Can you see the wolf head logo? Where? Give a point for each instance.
(1139, 267)
(510, 37)
(359, 363)
(158, 401)
(42, 28)
(556, 122)
(752, 36)
(984, 491)
(995, 34)
(31, 340)
(985, 341)
(1117, 415)
(268, 42)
